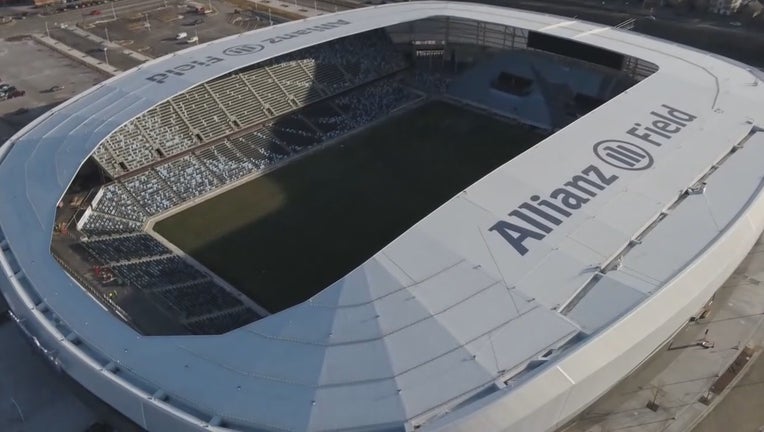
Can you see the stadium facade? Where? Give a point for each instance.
(512, 307)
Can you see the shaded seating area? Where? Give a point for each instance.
(513, 84)
(129, 247)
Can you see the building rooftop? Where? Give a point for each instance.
(525, 261)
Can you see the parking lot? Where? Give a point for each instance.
(36, 69)
(154, 33)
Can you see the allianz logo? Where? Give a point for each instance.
(240, 50)
(537, 217)
(623, 155)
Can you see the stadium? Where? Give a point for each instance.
(430, 216)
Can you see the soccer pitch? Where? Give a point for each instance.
(286, 235)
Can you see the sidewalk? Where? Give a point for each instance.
(681, 372)
(76, 55)
(286, 8)
(101, 41)
(697, 412)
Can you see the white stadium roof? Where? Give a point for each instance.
(452, 306)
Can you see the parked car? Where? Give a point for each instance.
(7, 92)
(16, 93)
(4, 87)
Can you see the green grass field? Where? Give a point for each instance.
(286, 235)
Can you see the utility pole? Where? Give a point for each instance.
(113, 11)
(106, 29)
(47, 30)
(106, 55)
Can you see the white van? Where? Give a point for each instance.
(181, 35)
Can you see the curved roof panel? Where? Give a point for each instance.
(462, 300)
